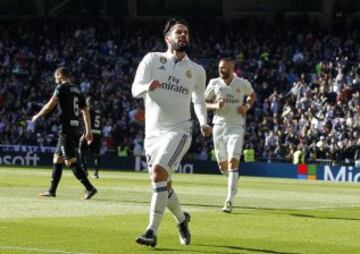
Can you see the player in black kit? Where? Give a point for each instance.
(70, 103)
(93, 148)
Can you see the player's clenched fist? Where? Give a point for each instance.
(206, 130)
(154, 84)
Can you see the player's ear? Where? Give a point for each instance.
(166, 38)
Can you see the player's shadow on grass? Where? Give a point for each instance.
(323, 218)
(148, 202)
(282, 211)
(167, 250)
(239, 248)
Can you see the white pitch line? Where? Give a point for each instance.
(29, 249)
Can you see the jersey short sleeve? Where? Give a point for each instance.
(82, 102)
(248, 88)
(56, 91)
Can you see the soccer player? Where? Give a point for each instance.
(70, 103)
(168, 82)
(94, 147)
(225, 95)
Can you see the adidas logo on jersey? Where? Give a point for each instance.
(162, 67)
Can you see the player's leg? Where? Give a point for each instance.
(164, 153)
(176, 149)
(220, 149)
(159, 190)
(82, 154)
(69, 151)
(221, 140)
(182, 218)
(232, 184)
(234, 151)
(97, 165)
(223, 167)
(95, 150)
(58, 162)
(158, 203)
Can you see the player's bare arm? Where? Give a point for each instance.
(87, 122)
(46, 108)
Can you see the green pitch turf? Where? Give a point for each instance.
(271, 216)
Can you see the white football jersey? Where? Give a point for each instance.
(233, 95)
(168, 107)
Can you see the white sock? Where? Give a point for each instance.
(158, 204)
(232, 185)
(174, 206)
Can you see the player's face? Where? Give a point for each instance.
(178, 37)
(225, 69)
(57, 77)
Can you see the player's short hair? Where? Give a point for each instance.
(227, 59)
(172, 22)
(64, 72)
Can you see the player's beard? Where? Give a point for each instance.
(225, 75)
(180, 48)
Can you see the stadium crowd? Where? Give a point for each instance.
(307, 80)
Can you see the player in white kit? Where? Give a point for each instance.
(225, 95)
(168, 82)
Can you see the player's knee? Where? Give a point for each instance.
(70, 161)
(77, 171)
(234, 163)
(159, 174)
(223, 166)
(57, 159)
(83, 146)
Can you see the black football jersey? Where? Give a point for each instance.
(96, 121)
(71, 101)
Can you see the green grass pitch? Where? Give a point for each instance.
(271, 216)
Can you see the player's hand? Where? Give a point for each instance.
(206, 130)
(89, 138)
(154, 84)
(34, 118)
(220, 104)
(242, 110)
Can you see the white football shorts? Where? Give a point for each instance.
(167, 150)
(228, 141)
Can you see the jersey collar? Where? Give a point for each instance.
(170, 56)
(224, 83)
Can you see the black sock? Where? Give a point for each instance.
(80, 175)
(55, 177)
(96, 162)
(82, 159)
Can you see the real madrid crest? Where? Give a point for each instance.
(163, 60)
(188, 74)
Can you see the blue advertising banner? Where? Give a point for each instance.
(281, 170)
